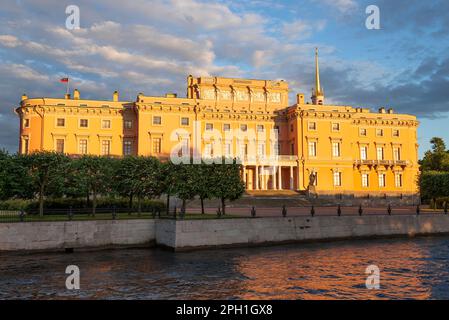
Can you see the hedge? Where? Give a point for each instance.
(121, 204)
(434, 184)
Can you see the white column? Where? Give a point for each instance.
(274, 177)
(280, 177)
(244, 177)
(257, 177)
(264, 178)
(291, 178)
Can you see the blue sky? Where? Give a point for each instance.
(151, 46)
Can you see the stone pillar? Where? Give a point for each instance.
(291, 178)
(280, 177)
(257, 177)
(274, 177)
(244, 177)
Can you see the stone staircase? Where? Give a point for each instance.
(267, 199)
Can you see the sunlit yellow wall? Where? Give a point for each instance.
(237, 102)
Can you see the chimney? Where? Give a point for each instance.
(115, 96)
(382, 110)
(24, 97)
(67, 96)
(300, 98)
(390, 111)
(76, 94)
(171, 95)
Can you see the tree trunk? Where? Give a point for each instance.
(168, 204)
(94, 202)
(183, 209)
(41, 201)
(202, 205)
(130, 204)
(223, 206)
(139, 204)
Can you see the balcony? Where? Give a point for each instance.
(381, 162)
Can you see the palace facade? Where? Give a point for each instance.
(342, 149)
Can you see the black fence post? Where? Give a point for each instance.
(114, 213)
(284, 211)
(312, 211)
(360, 210)
(183, 212)
(253, 212)
(174, 213)
(219, 212)
(70, 213)
(418, 210)
(445, 207)
(389, 209)
(339, 210)
(22, 215)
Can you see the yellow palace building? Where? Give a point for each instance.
(328, 149)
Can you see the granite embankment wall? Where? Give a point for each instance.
(193, 234)
(76, 234)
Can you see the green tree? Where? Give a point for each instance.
(167, 181)
(226, 182)
(202, 182)
(184, 184)
(436, 159)
(45, 169)
(95, 175)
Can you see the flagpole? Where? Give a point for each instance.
(67, 87)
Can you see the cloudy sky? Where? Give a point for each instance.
(151, 46)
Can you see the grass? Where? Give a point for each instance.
(108, 216)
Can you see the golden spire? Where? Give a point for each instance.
(317, 75)
(317, 94)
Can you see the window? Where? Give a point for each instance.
(365, 180)
(380, 153)
(82, 146)
(26, 123)
(337, 179)
(277, 149)
(128, 124)
(227, 149)
(336, 149)
(243, 127)
(226, 127)
(106, 124)
(395, 133)
(106, 147)
(60, 145)
(312, 149)
(398, 180)
(157, 120)
(363, 132)
(84, 123)
(185, 121)
(243, 150)
(26, 146)
(292, 149)
(209, 127)
(312, 126)
(379, 132)
(276, 130)
(363, 152)
(382, 180)
(60, 122)
(396, 154)
(157, 145)
(261, 149)
(184, 151)
(335, 126)
(260, 128)
(208, 152)
(127, 147)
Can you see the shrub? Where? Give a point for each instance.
(63, 204)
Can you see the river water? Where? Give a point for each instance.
(409, 269)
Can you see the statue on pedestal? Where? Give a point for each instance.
(311, 191)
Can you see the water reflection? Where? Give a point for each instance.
(410, 269)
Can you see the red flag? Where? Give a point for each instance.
(64, 80)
